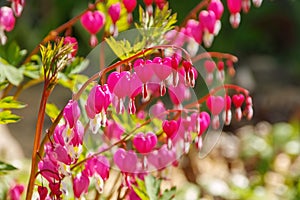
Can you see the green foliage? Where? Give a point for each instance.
(12, 53)
(151, 31)
(55, 57)
(5, 167)
(52, 111)
(10, 73)
(123, 49)
(153, 27)
(149, 189)
(7, 117)
(9, 103)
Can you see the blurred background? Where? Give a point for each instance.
(253, 158)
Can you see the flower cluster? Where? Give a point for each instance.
(7, 18)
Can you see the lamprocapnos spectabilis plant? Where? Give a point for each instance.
(142, 110)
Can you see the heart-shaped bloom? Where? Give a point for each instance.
(126, 161)
(80, 184)
(170, 128)
(71, 113)
(238, 100)
(215, 104)
(93, 21)
(144, 143)
(114, 12)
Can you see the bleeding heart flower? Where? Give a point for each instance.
(126, 160)
(129, 5)
(80, 184)
(93, 21)
(144, 143)
(209, 65)
(162, 157)
(114, 12)
(215, 104)
(170, 128)
(71, 113)
(217, 7)
(17, 6)
(43, 192)
(207, 20)
(204, 122)
(16, 191)
(238, 100)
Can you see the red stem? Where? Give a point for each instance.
(37, 140)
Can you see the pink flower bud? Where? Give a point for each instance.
(204, 122)
(93, 21)
(209, 65)
(114, 12)
(217, 7)
(7, 19)
(129, 5)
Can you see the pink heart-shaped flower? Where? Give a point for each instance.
(145, 143)
(144, 70)
(170, 128)
(238, 100)
(208, 20)
(204, 120)
(215, 104)
(93, 21)
(210, 66)
(80, 184)
(126, 160)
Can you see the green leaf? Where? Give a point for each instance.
(15, 54)
(12, 74)
(6, 167)
(9, 103)
(140, 193)
(52, 111)
(168, 194)
(7, 117)
(152, 187)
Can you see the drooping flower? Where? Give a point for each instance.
(71, 113)
(216, 105)
(144, 143)
(234, 7)
(97, 103)
(16, 191)
(126, 161)
(238, 100)
(17, 6)
(93, 22)
(114, 12)
(7, 22)
(208, 22)
(130, 6)
(80, 184)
